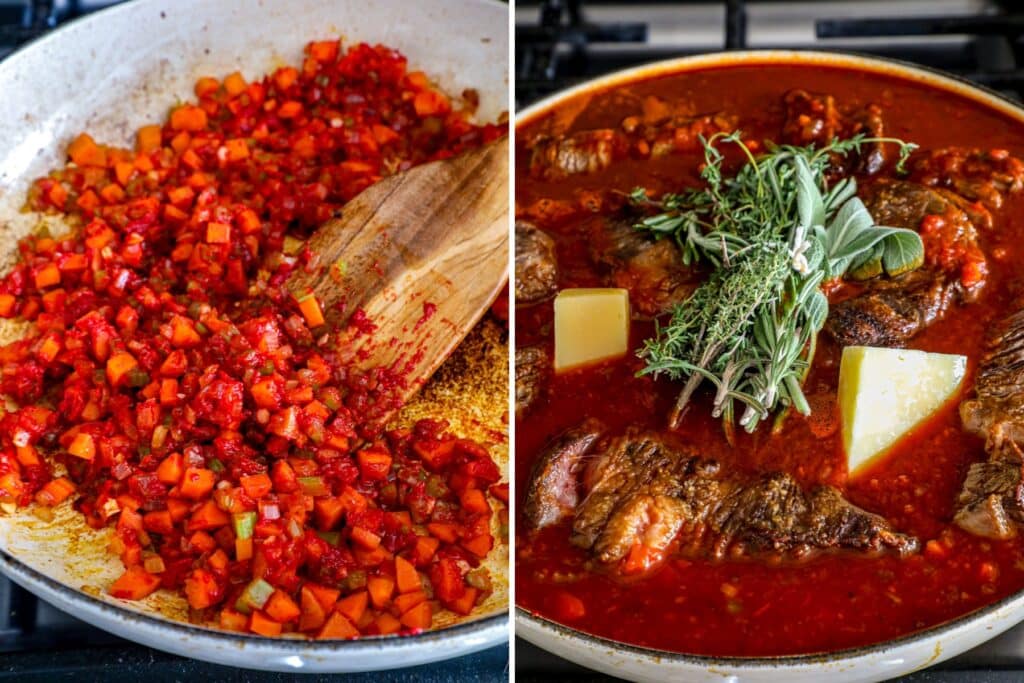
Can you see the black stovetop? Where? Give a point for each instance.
(563, 42)
(41, 644)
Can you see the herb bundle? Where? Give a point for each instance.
(772, 235)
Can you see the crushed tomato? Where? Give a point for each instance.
(188, 397)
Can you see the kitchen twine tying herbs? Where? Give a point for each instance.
(772, 234)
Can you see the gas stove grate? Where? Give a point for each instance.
(562, 45)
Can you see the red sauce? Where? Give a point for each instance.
(750, 607)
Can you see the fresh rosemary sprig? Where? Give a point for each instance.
(772, 234)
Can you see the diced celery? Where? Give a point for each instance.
(254, 596)
(244, 523)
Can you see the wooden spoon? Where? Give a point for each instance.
(421, 254)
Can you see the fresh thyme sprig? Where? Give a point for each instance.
(773, 234)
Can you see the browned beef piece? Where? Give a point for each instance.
(985, 176)
(991, 502)
(536, 265)
(586, 151)
(532, 367)
(652, 270)
(552, 493)
(643, 135)
(644, 491)
(816, 119)
(890, 311)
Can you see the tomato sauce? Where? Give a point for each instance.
(753, 607)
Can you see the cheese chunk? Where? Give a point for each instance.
(591, 325)
(885, 393)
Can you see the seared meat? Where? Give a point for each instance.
(654, 133)
(553, 490)
(991, 502)
(891, 311)
(643, 491)
(992, 498)
(997, 411)
(532, 365)
(816, 119)
(985, 176)
(652, 270)
(583, 152)
(536, 267)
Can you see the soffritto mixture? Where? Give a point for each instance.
(793, 422)
(198, 408)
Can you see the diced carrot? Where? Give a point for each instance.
(243, 549)
(338, 626)
(123, 172)
(48, 276)
(236, 149)
(74, 263)
(8, 303)
(326, 596)
(27, 455)
(354, 606)
(374, 463)
(473, 500)
(206, 86)
(446, 579)
(313, 613)
(158, 521)
(289, 109)
(424, 549)
(381, 588)
(84, 151)
(118, 366)
(419, 617)
(328, 512)
(179, 509)
(383, 134)
(387, 624)
(285, 77)
(196, 482)
(324, 50)
(49, 349)
(280, 607)
(431, 103)
(263, 625)
(465, 604)
(443, 531)
(188, 118)
(170, 469)
(256, 486)
(83, 446)
(55, 491)
(218, 560)
(311, 311)
(135, 584)
(406, 576)
(235, 84)
(168, 391)
(364, 538)
(148, 139)
(218, 233)
(88, 201)
(230, 620)
(112, 194)
(406, 601)
(208, 516)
